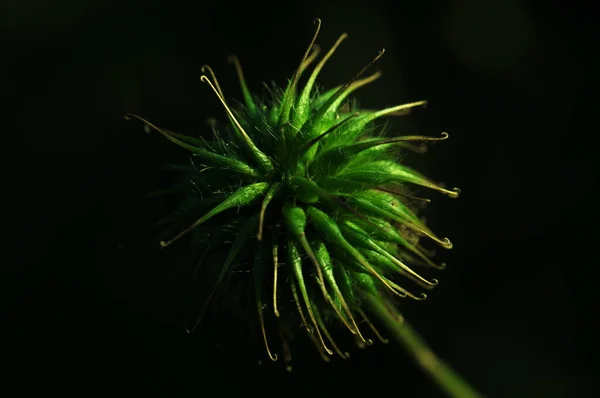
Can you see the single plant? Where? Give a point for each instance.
(310, 197)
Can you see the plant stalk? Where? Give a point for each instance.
(446, 378)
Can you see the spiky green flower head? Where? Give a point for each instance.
(305, 192)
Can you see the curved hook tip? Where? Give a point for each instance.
(456, 193)
(447, 244)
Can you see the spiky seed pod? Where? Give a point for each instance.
(309, 195)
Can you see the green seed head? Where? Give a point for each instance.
(305, 192)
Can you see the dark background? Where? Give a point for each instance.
(88, 306)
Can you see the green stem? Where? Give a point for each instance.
(450, 381)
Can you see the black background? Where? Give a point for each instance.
(89, 306)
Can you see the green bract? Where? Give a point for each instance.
(305, 192)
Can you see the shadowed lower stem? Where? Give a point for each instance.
(451, 382)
